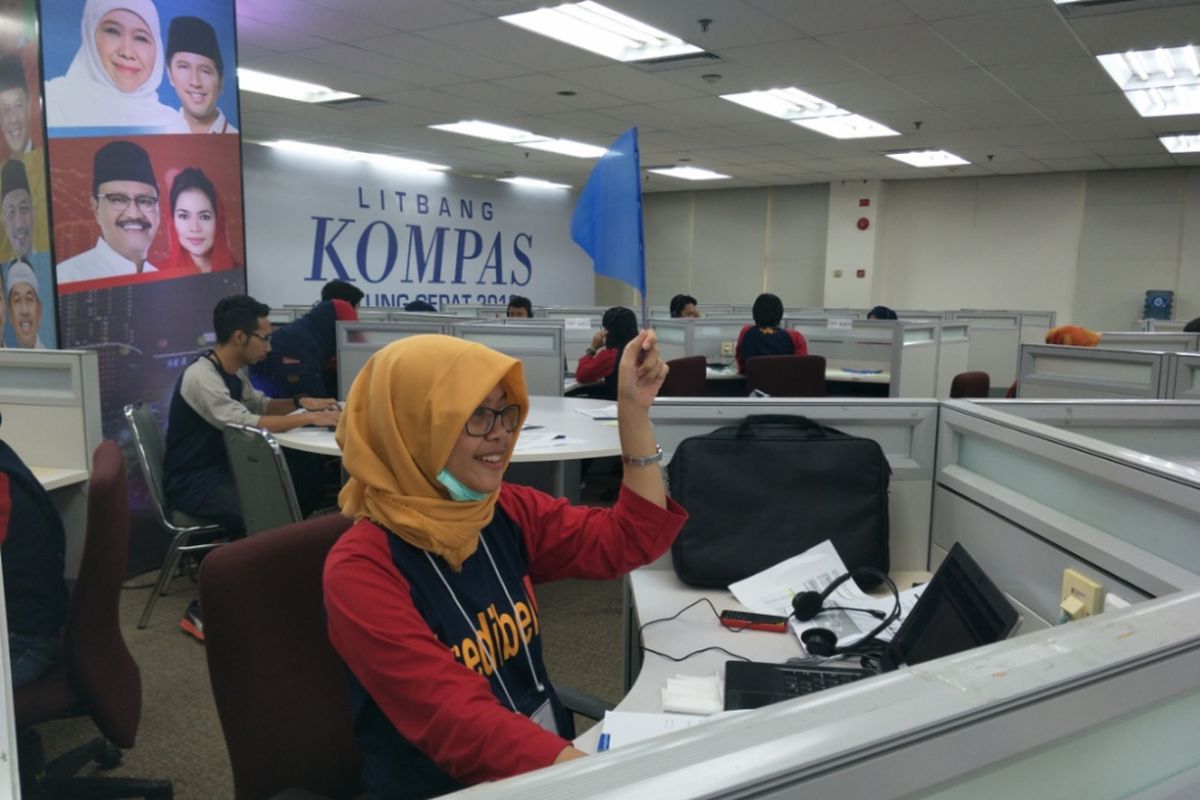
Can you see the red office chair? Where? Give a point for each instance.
(686, 378)
(970, 384)
(95, 674)
(786, 376)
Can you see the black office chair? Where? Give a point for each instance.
(786, 376)
(262, 478)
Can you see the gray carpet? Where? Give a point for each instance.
(180, 736)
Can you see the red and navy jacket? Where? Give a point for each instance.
(783, 342)
(437, 702)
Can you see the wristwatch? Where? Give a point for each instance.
(643, 461)
(591, 351)
(296, 400)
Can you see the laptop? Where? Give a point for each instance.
(960, 608)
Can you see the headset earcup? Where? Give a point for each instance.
(819, 642)
(807, 605)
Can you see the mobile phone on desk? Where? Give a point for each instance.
(755, 622)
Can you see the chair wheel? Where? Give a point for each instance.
(109, 758)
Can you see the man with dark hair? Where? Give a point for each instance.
(1193, 326)
(420, 305)
(338, 289)
(765, 337)
(519, 307)
(16, 208)
(684, 305)
(14, 106)
(125, 201)
(197, 71)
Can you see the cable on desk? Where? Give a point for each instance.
(676, 615)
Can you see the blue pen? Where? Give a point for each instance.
(604, 742)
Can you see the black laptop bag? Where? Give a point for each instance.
(772, 487)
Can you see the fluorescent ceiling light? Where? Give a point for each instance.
(810, 111)
(250, 80)
(1163, 82)
(489, 130)
(591, 26)
(339, 153)
(929, 158)
(567, 147)
(690, 173)
(1181, 142)
(534, 183)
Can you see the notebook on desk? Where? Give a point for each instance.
(960, 608)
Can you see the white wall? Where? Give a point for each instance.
(851, 249)
(497, 239)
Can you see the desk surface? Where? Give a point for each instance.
(831, 374)
(57, 477)
(595, 439)
(659, 593)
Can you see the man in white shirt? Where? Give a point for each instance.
(24, 304)
(125, 202)
(196, 70)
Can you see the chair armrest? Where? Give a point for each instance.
(583, 703)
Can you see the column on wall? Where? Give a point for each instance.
(850, 272)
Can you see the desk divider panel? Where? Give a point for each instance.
(1184, 381)
(539, 348)
(906, 429)
(917, 372)
(954, 353)
(1052, 371)
(282, 316)
(358, 341)
(995, 342)
(1161, 325)
(1035, 324)
(1164, 341)
(675, 337)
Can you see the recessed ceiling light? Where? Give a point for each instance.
(929, 158)
(1163, 82)
(809, 111)
(250, 80)
(567, 147)
(489, 130)
(689, 173)
(591, 26)
(342, 154)
(534, 183)
(1181, 142)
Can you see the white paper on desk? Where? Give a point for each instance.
(626, 727)
(542, 440)
(604, 412)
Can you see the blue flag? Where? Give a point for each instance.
(607, 222)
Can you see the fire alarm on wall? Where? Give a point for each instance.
(864, 202)
(863, 223)
(861, 273)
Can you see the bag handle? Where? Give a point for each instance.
(748, 426)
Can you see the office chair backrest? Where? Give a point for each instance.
(99, 664)
(151, 449)
(970, 384)
(786, 376)
(686, 378)
(262, 478)
(279, 687)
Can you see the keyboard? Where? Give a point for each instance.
(756, 684)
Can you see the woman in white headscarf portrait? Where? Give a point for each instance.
(113, 80)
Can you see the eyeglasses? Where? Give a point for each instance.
(120, 202)
(483, 420)
(266, 337)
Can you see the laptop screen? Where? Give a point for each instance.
(960, 609)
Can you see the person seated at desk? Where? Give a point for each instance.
(32, 548)
(519, 307)
(420, 305)
(303, 356)
(765, 337)
(429, 596)
(600, 361)
(882, 312)
(684, 306)
(338, 289)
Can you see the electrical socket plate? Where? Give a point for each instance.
(1086, 590)
(726, 348)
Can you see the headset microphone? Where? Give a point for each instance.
(822, 641)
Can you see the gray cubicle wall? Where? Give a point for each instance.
(995, 343)
(905, 429)
(1161, 325)
(1184, 380)
(282, 316)
(358, 341)
(539, 347)
(954, 353)
(907, 352)
(1035, 324)
(1054, 371)
(1164, 341)
(1029, 500)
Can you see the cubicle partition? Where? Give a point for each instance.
(1184, 379)
(1079, 372)
(1165, 341)
(538, 346)
(358, 341)
(282, 316)
(1161, 325)
(954, 353)
(50, 409)
(995, 341)
(903, 355)
(1035, 324)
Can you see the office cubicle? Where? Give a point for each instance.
(475, 310)
(1166, 341)
(907, 354)
(539, 347)
(279, 317)
(715, 339)
(1035, 324)
(1160, 325)
(1183, 382)
(1077, 372)
(995, 342)
(358, 341)
(50, 409)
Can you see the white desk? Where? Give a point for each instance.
(53, 478)
(831, 374)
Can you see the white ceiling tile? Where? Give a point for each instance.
(1009, 37)
(819, 17)
(1128, 147)
(1143, 29)
(547, 86)
(1059, 150)
(370, 63)
(402, 15)
(1032, 79)
(263, 36)
(334, 25)
(1141, 162)
(495, 95)
(731, 77)
(900, 50)
(989, 115)
(295, 65)
(412, 49)
(1081, 164)
(955, 87)
(802, 62)
(732, 24)
(869, 94)
(630, 83)
(1073, 108)
(507, 43)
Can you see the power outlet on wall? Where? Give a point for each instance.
(1081, 596)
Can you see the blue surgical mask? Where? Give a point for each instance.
(457, 489)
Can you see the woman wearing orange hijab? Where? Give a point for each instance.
(197, 229)
(429, 596)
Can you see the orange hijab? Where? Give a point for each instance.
(1072, 335)
(405, 412)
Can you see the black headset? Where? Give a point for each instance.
(822, 641)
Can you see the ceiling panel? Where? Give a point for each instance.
(900, 50)
(955, 87)
(298, 15)
(943, 9)
(819, 17)
(1009, 37)
(410, 49)
(732, 24)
